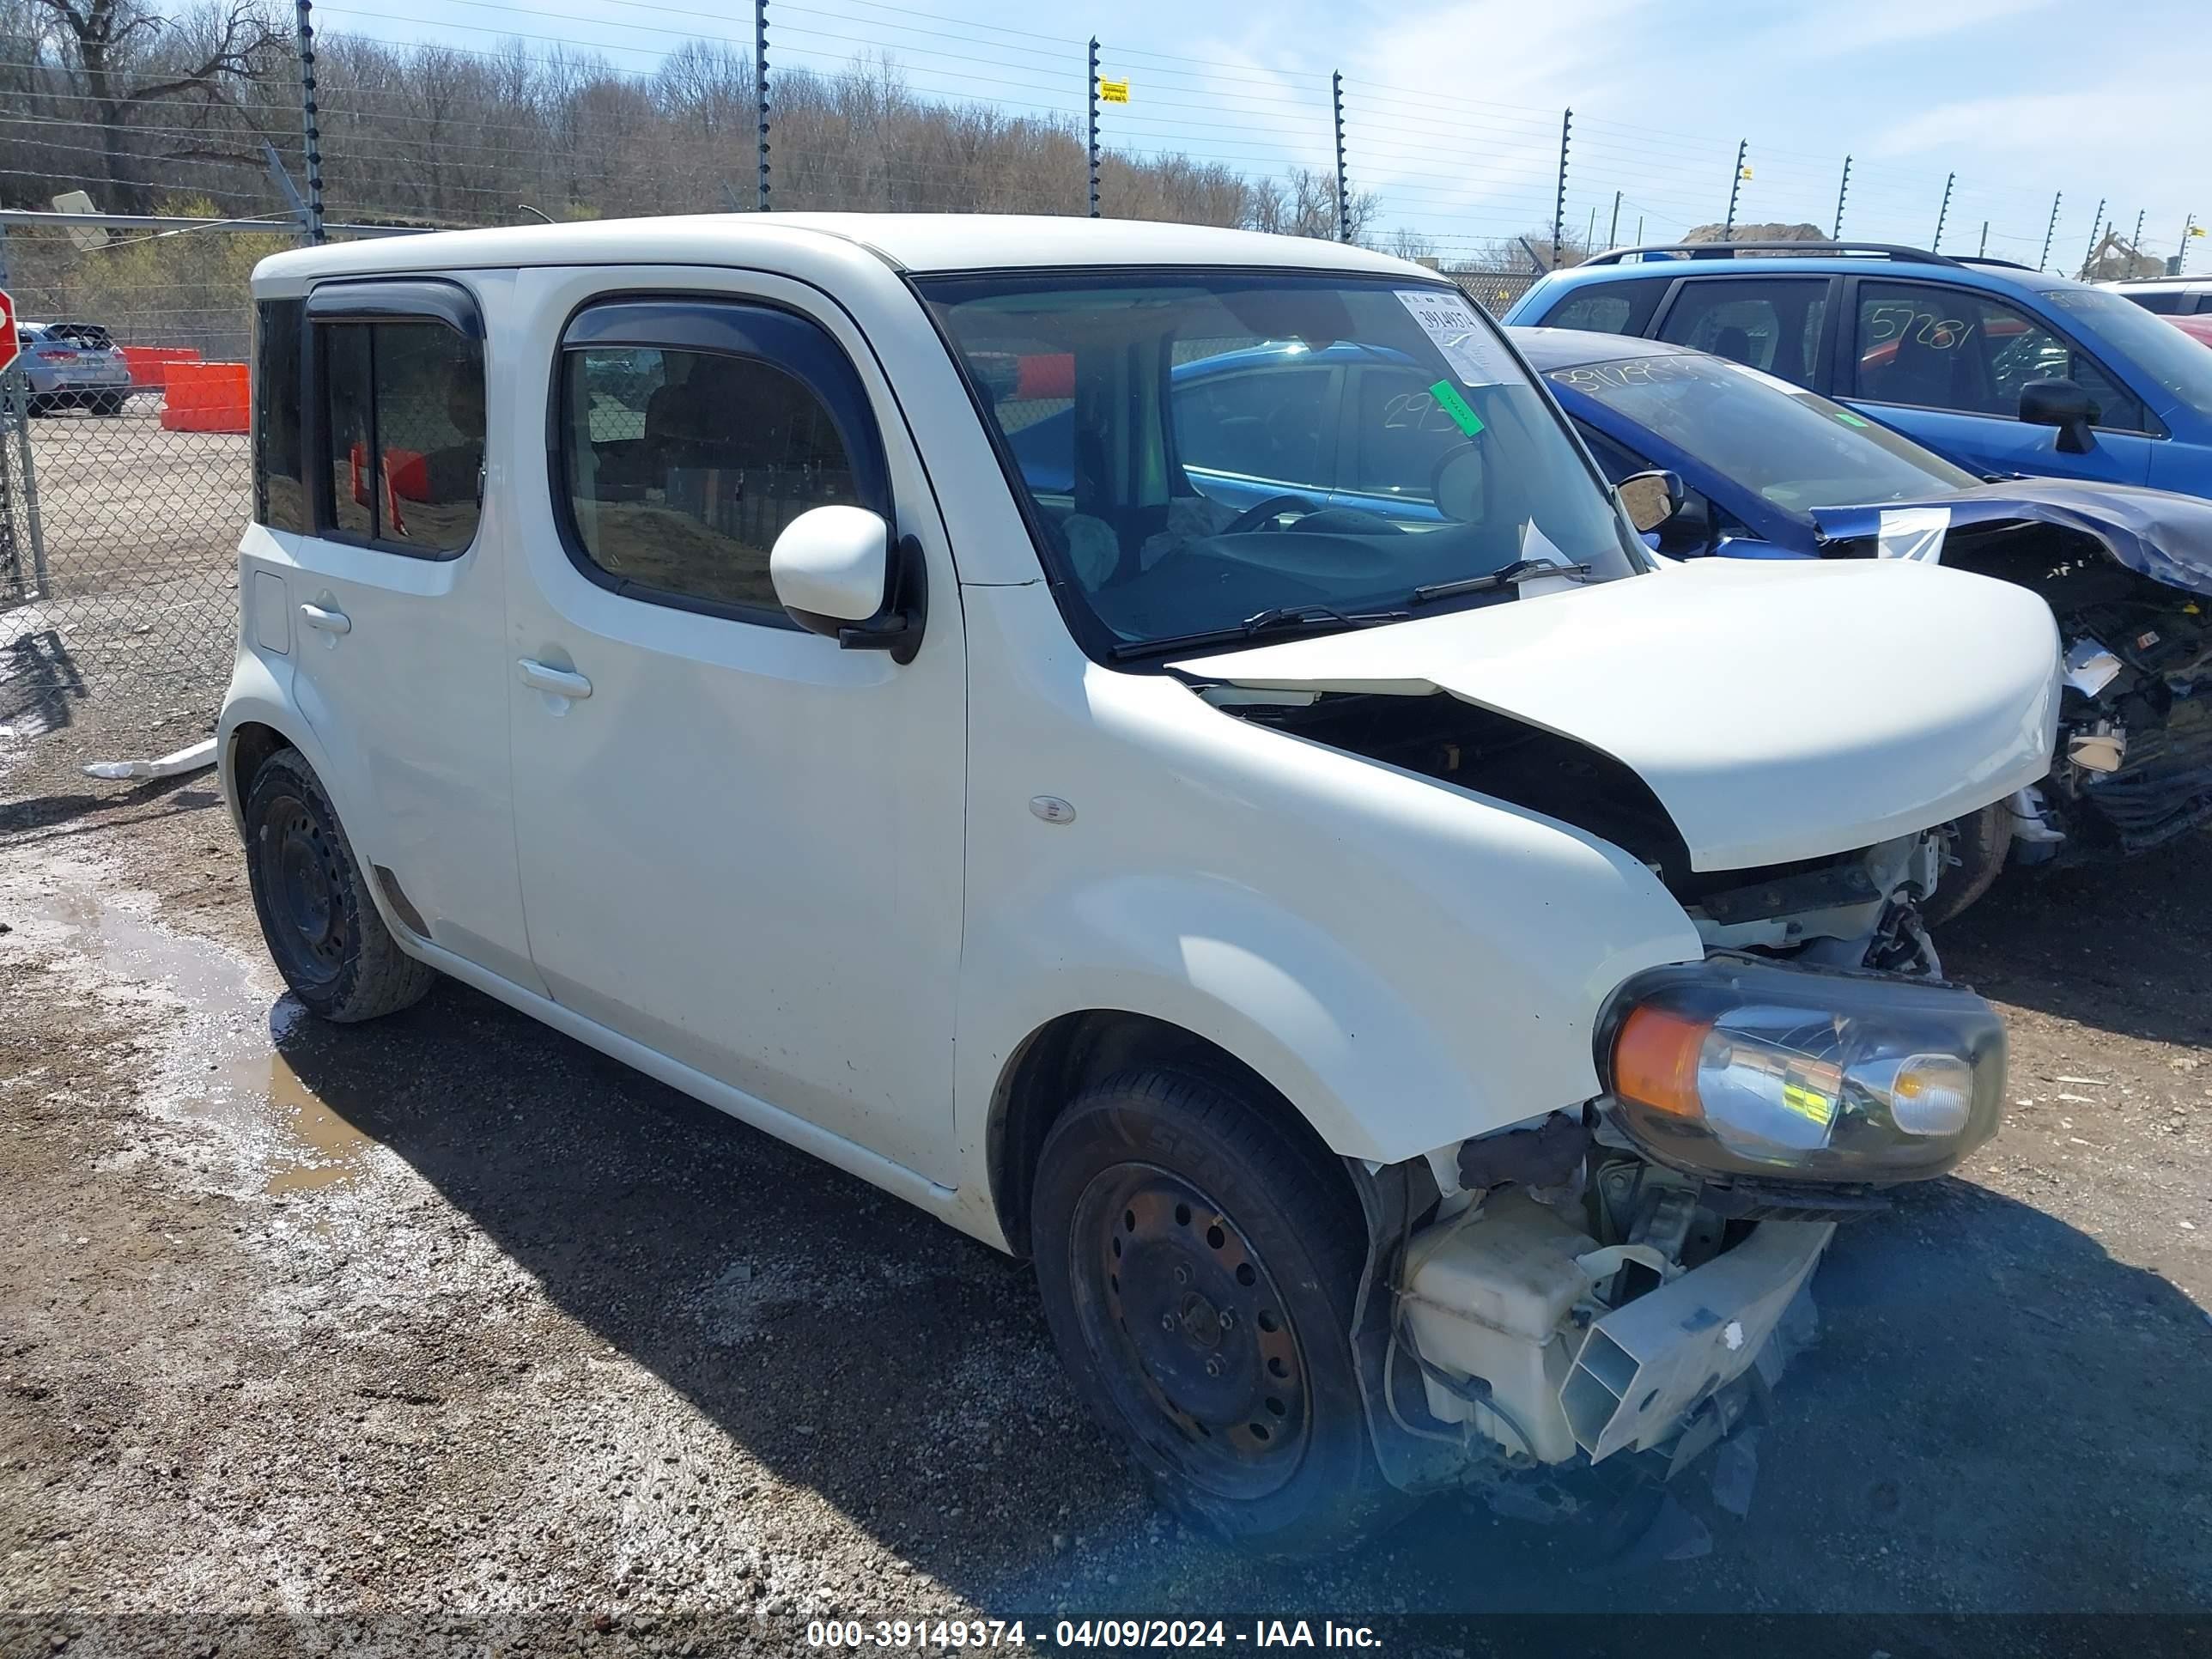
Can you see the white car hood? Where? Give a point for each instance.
(1778, 710)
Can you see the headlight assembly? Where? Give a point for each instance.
(1733, 1067)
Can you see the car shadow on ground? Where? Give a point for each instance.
(2121, 946)
(2000, 1416)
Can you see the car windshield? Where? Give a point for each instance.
(2154, 346)
(1796, 450)
(1201, 449)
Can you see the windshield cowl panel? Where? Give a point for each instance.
(1194, 448)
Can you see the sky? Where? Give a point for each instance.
(1453, 108)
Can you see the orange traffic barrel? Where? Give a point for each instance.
(148, 365)
(205, 398)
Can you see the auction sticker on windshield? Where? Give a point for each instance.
(1474, 352)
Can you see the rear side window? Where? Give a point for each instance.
(1933, 346)
(402, 402)
(1607, 308)
(2164, 301)
(1274, 425)
(280, 495)
(1768, 323)
(692, 435)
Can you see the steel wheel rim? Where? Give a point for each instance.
(1195, 1343)
(303, 884)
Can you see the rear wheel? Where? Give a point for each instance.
(1198, 1269)
(311, 898)
(108, 403)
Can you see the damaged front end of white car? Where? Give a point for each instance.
(1618, 1281)
(1625, 1281)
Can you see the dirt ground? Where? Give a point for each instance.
(445, 1333)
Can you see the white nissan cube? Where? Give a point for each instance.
(1156, 745)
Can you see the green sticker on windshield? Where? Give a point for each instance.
(1450, 401)
(1850, 419)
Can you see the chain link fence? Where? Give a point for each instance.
(128, 477)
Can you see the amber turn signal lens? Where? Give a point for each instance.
(1654, 1060)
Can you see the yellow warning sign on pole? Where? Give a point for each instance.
(1113, 91)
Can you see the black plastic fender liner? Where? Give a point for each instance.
(1433, 1455)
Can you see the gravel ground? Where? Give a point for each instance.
(445, 1333)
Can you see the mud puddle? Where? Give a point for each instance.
(224, 1067)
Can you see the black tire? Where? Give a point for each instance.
(311, 898)
(1199, 1268)
(41, 404)
(109, 404)
(1979, 843)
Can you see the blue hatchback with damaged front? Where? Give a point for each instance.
(2002, 369)
(1767, 470)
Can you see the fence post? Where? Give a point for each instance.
(2051, 230)
(2134, 247)
(1343, 176)
(760, 94)
(1559, 204)
(1736, 186)
(1842, 190)
(1985, 252)
(311, 120)
(1093, 97)
(2090, 257)
(1613, 231)
(15, 411)
(1943, 212)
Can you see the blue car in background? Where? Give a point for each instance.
(1767, 470)
(1267, 422)
(2002, 369)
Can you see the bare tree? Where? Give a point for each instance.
(127, 59)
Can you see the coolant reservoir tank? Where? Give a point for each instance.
(1486, 1295)
(1510, 1267)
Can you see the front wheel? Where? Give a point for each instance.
(1199, 1269)
(1979, 844)
(311, 898)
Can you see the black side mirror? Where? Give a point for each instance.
(2065, 405)
(1650, 498)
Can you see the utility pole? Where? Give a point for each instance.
(2188, 230)
(1559, 203)
(1093, 96)
(1343, 176)
(2051, 230)
(1985, 252)
(1590, 233)
(760, 94)
(1613, 231)
(1943, 212)
(2090, 257)
(1842, 190)
(1736, 186)
(311, 133)
(2134, 247)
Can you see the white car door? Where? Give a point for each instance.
(390, 595)
(741, 846)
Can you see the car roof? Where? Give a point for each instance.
(918, 242)
(1547, 348)
(1994, 276)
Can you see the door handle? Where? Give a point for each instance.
(558, 681)
(325, 620)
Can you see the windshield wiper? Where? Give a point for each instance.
(1276, 619)
(1521, 570)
